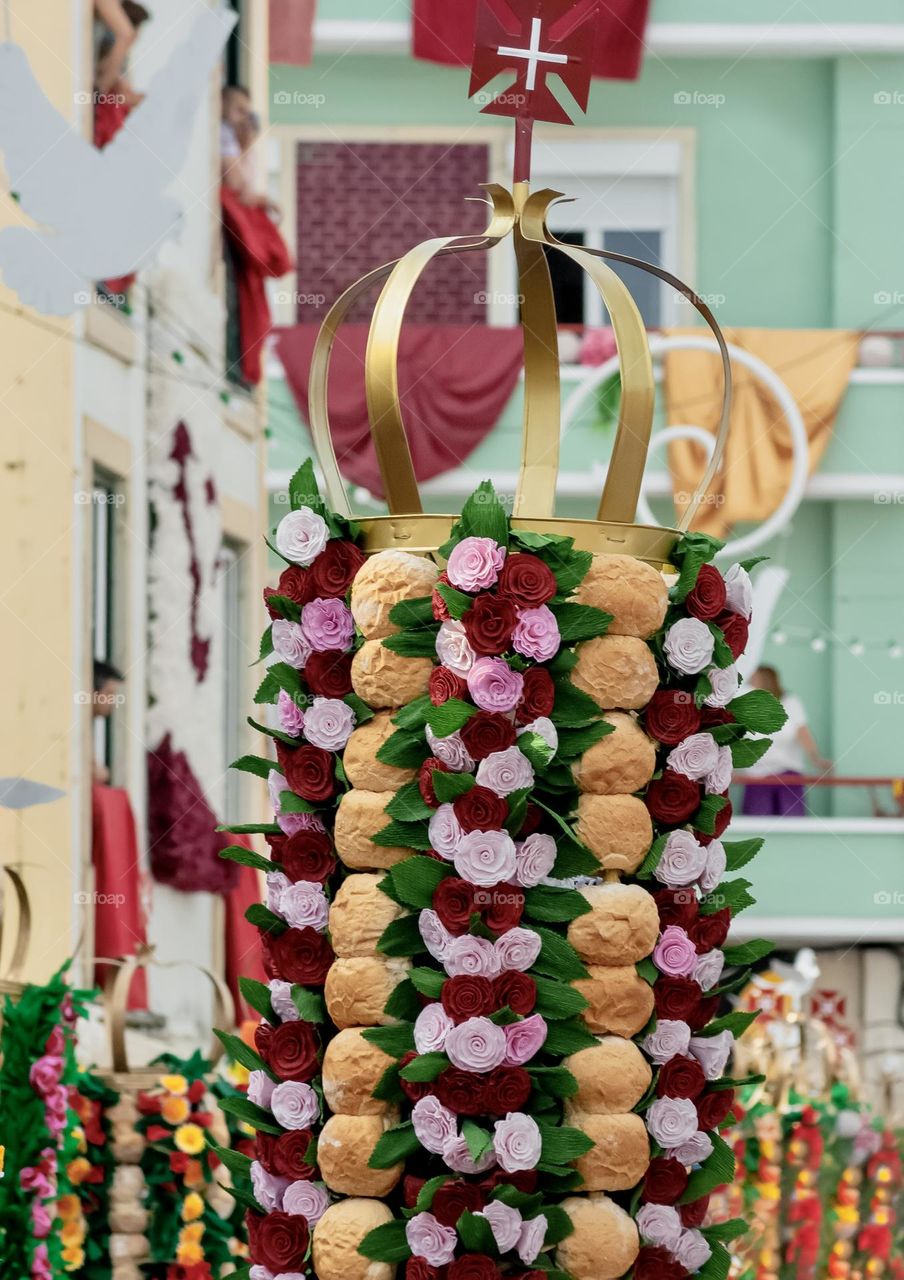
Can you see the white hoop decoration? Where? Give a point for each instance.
(799, 442)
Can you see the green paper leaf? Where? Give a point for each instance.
(716, 1171)
(718, 1265)
(251, 829)
(559, 906)
(479, 1140)
(747, 953)
(413, 644)
(759, 711)
(257, 995)
(425, 1068)
(561, 1145)
(405, 750)
(394, 1146)
(289, 802)
(403, 835)
(736, 1022)
(416, 879)
(536, 749)
(558, 957)
(257, 1117)
(362, 711)
(394, 1041)
(238, 1051)
(413, 613)
(733, 894)
(573, 709)
(429, 982)
(408, 805)
(414, 714)
(705, 818)
(482, 516)
(263, 918)
(238, 1165)
(565, 1038)
(248, 858)
(575, 742)
(401, 938)
(449, 716)
(448, 786)
(579, 622)
(556, 1082)
(729, 1230)
(310, 1004)
(303, 490)
(457, 602)
(558, 1224)
(647, 970)
(692, 553)
(403, 1003)
(648, 867)
(748, 751)
(276, 734)
(556, 1001)
(267, 690)
(288, 609)
(476, 1234)
(386, 1243)
(253, 764)
(722, 654)
(739, 852)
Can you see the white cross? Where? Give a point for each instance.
(533, 55)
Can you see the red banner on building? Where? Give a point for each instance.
(444, 32)
(292, 31)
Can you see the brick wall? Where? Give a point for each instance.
(363, 204)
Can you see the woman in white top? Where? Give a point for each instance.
(793, 748)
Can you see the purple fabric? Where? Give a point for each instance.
(775, 800)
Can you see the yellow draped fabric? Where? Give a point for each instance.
(815, 364)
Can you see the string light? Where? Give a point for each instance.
(818, 642)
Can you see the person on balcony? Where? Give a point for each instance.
(793, 749)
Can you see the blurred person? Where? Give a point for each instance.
(120, 22)
(235, 111)
(793, 748)
(107, 696)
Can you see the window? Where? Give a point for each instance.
(104, 501)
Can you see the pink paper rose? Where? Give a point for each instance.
(328, 625)
(537, 634)
(475, 563)
(494, 685)
(674, 953)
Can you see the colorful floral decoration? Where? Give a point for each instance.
(475, 1005)
(84, 1212)
(878, 1246)
(38, 1068)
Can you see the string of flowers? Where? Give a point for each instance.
(876, 1254)
(89, 1163)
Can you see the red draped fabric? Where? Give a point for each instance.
(243, 956)
(454, 383)
(292, 31)
(119, 924)
(258, 251)
(444, 32)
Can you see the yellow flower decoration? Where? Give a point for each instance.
(2, 1160)
(78, 1170)
(189, 1254)
(68, 1207)
(192, 1233)
(72, 1232)
(237, 1075)
(73, 1259)
(174, 1084)
(190, 1139)
(175, 1110)
(192, 1207)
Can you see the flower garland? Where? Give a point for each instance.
(89, 1163)
(880, 1212)
(38, 1065)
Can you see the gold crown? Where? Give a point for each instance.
(521, 215)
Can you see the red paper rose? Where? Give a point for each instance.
(537, 697)
(461, 1091)
(713, 1108)
(712, 716)
(453, 902)
(517, 990)
(694, 1214)
(507, 1089)
(681, 1077)
(720, 823)
(310, 771)
(665, 1181)
(524, 1180)
(420, 1269)
(676, 998)
(425, 779)
(709, 932)
(473, 1266)
(527, 580)
(671, 716)
(656, 1263)
(279, 1241)
(453, 1199)
(329, 675)
(289, 1155)
(489, 624)
(296, 584)
(445, 684)
(707, 600)
(263, 1034)
(487, 732)
(468, 996)
(308, 855)
(302, 955)
(440, 608)
(411, 1189)
(480, 809)
(736, 630)
(676, 906)
(292, 1051)
(673, 798)
(264, 1149)
(413, 1090)
(272, 611)
(334, 570)
(504, 909)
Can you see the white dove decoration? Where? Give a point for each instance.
(99, 214)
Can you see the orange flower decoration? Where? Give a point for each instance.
(79, 1170)
(190, 1139)
(175, 1110)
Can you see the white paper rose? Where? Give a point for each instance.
(301, 536)
(689, 646)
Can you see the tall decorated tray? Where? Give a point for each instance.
(496, 1035)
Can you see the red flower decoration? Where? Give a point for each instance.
(505, 907)
(671, 716)
(480, 809)
(310, 771)
(489, 624)
(468, 996)
(736, 630)
(714, 1108)
(288, 1155)
(537, 697)
(677, 999)
(307, 855)
(302, 955)
(487, 732)
(453, 902)
(677, 906)
(334, 570)
(681, 1077)
(461, 1091)
(665, 1181)
(279, 1240)
(507, 1089)
(694, 1214)
(425, 779)
(473, 1266)
(527, 580)
(445, 684)
(709, 932)
(656, 1263)
(292, 1051)
(707, 600)
(453, 1199)
(517, 990)
(329, 675)
(673, 798)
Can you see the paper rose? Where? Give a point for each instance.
(294, 1105)
(494, 685)
(485, 858)
(713, 1052)
(458, 1157)
(433, 1123)
(434, 934)
(689, 646)
(289, 713)
(307, 1199)
(453, 648)
(260, 1088)
(660, 1224)
(524, 1040)
(290, 644)
(719, 777)
(328, 625)
(671, 1121)
(476, 1045)
(301, 536)
(699, 1147)
(724, 681)
(716, 863)
(544, 728)
(450, 750)
(537, 634)
(674, 954)
(534, 859)
(471, 957)
(505, 772)
(304, 904)
(432, 1026)
(268, 1189)
(517, 1143)
(682, 861)
(692, 1250)
(328, 723)
(429, 1239)
(739, 591)
(530, 1242)
(695, 757)
(281, 999)
(708, 969)
(475, 563)
(445, 832)
(277, 883)
(505, 1223)
(517, 949)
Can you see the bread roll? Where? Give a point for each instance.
(612, 1077)
(344, 1147)
(618, 830)
(619, 764)
(352, 1069)
(386, 679)
(361, 816)
(337, 1236)
(617, 671)
(356, 990)
(621, 1151)
(362, 767)
(620, 1002)
(621, 927)
(603, 1245)
(383, 581)
(359, 913)
(631, 590)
